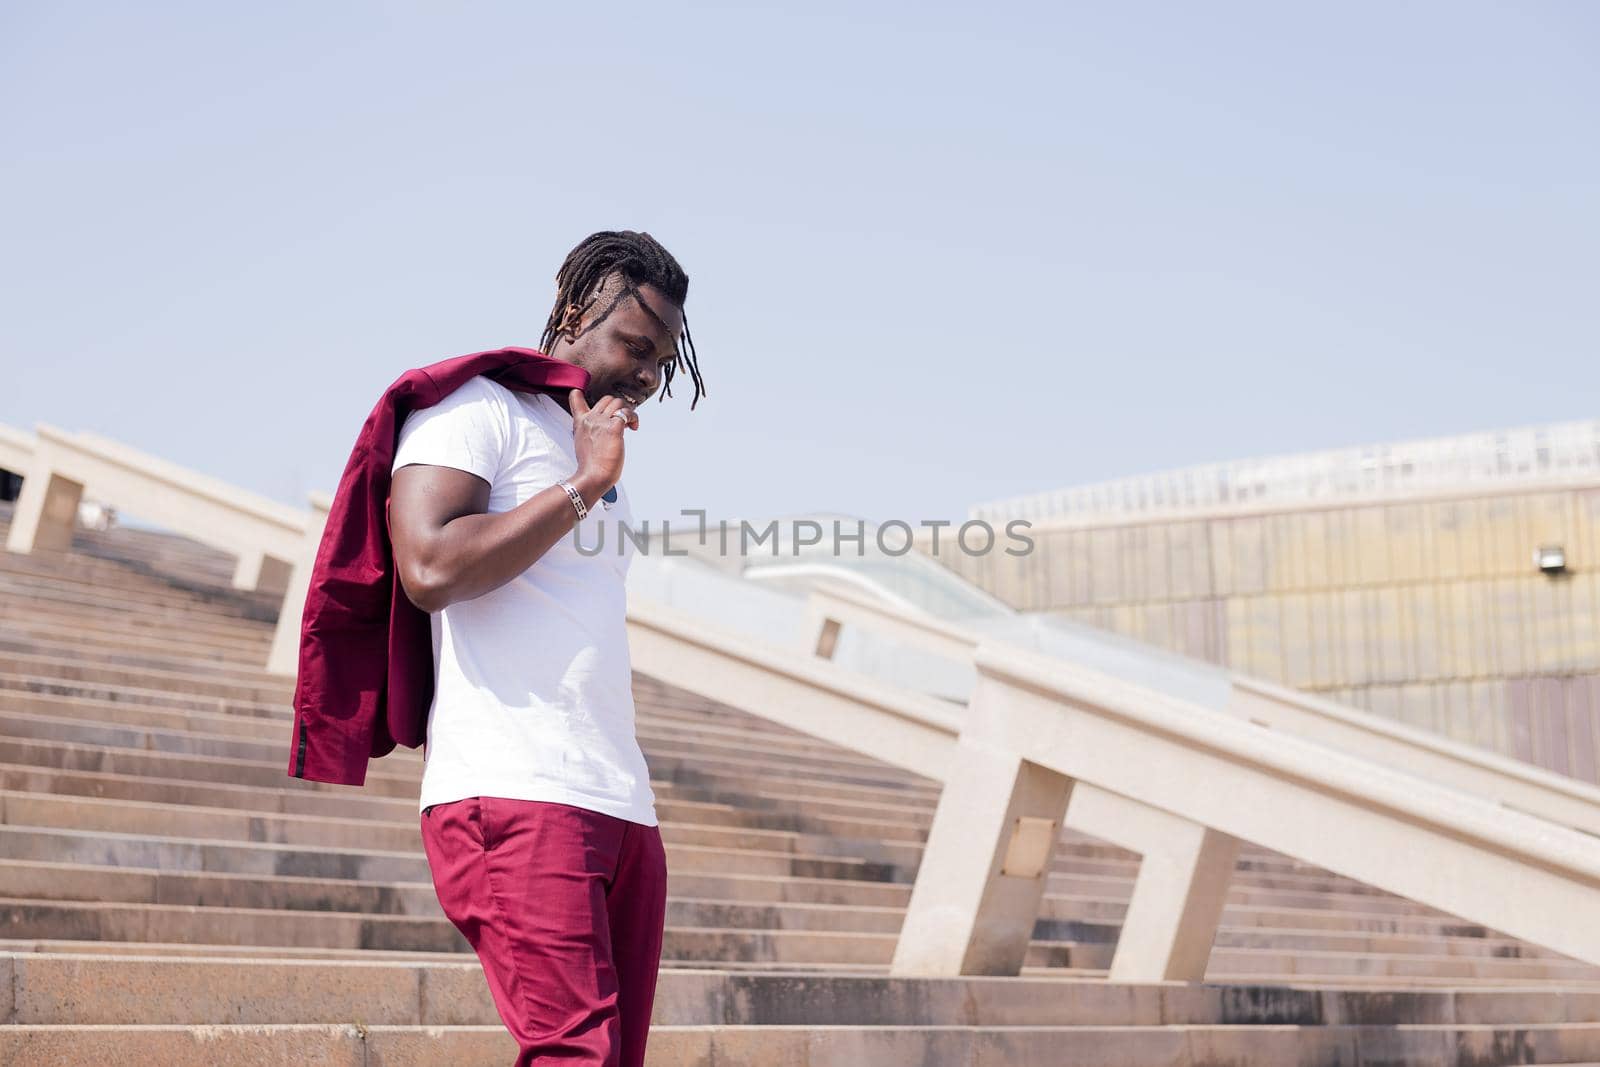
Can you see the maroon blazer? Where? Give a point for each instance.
(366, 652)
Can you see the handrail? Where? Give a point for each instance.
(283, 657)
(923, 631)
(1171, 763)
(1314, 766)
(273, 515)
(199, 506)
(1516, 785)
(1516, 873)
(274, 543)
(16, 449)
(901, 728)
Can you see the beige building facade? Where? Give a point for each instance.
(1466, 609)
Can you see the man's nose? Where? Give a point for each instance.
(649, 377)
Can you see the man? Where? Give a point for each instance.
(537, 814)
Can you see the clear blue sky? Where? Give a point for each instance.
(939, 254)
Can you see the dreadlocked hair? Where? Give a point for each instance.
(641, 260)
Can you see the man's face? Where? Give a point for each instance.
(626, 353)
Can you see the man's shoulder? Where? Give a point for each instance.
(473, 397)
(482, 389)
(476, 406)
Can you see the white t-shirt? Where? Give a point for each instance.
(533, 695)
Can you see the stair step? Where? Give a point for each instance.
(361, 1045)
(90, 988)
(152, 842)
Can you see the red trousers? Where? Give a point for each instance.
(565, 909)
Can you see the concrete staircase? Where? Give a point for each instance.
(170, 896)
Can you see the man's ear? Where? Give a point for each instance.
(571, 322)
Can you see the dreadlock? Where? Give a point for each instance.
(641, 260)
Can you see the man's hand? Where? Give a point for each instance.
(449, 548)
(597, 440)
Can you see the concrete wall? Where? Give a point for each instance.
(1430, 610)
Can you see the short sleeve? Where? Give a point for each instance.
(467, 430)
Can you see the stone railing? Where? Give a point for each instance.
(1181, 784)
(284, 656)
(16, 449)
(1516, 785)
(812, 696)
(274, 543)
(1043, 744)
(265, 535)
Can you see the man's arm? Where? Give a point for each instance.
(448, 548)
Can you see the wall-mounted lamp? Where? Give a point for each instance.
(1551, 559)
